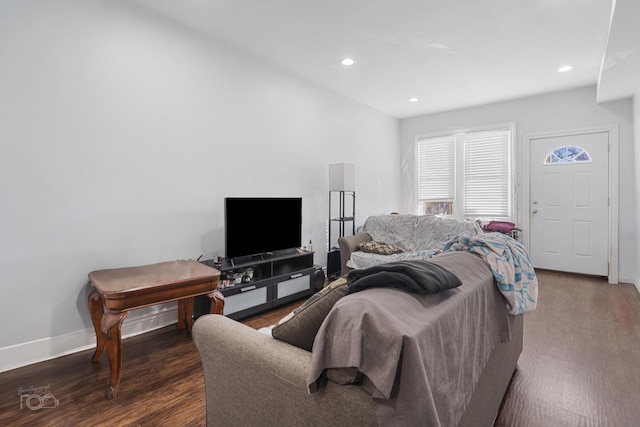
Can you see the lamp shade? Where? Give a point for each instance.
(342, 177)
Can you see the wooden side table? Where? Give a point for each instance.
(122, 289)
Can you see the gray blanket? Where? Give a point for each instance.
(422, 355)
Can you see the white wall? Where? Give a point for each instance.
(121, 134)
(561, 111)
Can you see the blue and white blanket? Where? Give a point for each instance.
(510, 264)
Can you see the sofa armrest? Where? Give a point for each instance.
(254, 379)
(347, 245)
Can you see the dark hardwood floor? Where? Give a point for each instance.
(580, 367)
(580, 364)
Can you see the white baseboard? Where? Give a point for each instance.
(637, 283)
(626, 279)
(24, 354)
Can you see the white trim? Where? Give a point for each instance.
(637, 284)
(614, 160)
(27, 353)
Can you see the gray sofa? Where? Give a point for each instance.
(252, 379)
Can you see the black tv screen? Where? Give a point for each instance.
(258, 225)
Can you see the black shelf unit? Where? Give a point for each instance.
(343, 218)
(278, 278)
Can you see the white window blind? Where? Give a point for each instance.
(436, 168)
(486, 174)
(470, 169)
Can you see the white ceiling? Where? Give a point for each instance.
(449, 54)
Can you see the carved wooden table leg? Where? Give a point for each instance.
(217, 302)
(188, 314)
(97, 312)
(112, 331)
(181, 315)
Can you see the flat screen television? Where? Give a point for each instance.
(259, 225)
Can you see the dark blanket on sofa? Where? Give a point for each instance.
(421, 355)
(421, 277)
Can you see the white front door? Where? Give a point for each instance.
(569, 196)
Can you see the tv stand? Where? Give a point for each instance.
(277, 278)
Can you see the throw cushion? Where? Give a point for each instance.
(299, 328)
(375, 247)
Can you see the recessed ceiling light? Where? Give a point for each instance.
(348, 61)
(413, 99)
(565, 68)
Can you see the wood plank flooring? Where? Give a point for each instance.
(580, 366)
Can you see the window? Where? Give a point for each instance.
(436, 174)
(466, 174)
(567, 154)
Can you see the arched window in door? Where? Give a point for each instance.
(567, 154)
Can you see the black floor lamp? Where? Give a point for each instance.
(342, 184)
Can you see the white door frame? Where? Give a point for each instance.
(612, 132)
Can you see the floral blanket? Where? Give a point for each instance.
(510, 264)
(419, 236)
